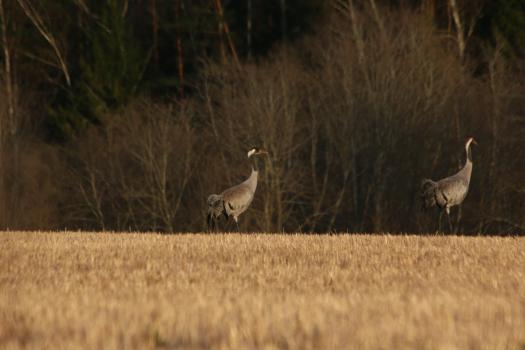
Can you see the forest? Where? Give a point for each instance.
(124, 115)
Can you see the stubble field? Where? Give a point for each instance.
(145, 291)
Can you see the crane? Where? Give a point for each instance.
(450, 191)
(235, 200)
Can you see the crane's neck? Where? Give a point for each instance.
(469, 152)
(252, 180)
(466, 172)
(254, 163)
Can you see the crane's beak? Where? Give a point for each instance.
(474, 142)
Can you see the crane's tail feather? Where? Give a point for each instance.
(214, 211)
(213, 199)
(428, 193)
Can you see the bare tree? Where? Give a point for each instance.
(136, 175)
(10, 124)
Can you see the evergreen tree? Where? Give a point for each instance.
(109, 66)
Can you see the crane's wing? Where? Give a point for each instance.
(452, 190)
(237, 199)
(428, 193)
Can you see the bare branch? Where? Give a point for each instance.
(37, 21)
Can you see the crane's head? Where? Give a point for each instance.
(467, 148)
(470, 141)
(255, 151)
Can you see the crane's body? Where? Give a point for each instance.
(450, 191)
(238, 198)
(235, 200)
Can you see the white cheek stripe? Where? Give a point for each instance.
(251, 152)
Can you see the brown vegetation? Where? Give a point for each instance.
(354, 118)
(139, 291)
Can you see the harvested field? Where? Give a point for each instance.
(146, 291)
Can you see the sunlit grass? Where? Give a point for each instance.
(98, 290)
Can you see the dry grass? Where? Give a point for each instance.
(79, 290)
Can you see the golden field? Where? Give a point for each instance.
(243, 291)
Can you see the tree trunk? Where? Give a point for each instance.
(249, 27)
(180, 57)
(155, 29)
(282, 4)
(11, 126)
(459, 28)
(378, 18)
(223, 27)
(7, 126)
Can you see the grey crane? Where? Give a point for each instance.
(450, 191)
(235, 200)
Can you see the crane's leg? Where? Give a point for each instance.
(237, 223)
(215, 224)
(439, 222)
(226, 227)
(449, 221)
(209, 223)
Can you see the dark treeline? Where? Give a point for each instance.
(126, 115)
